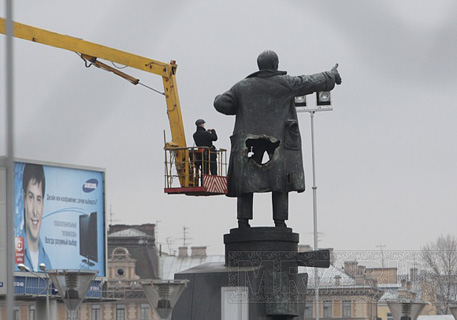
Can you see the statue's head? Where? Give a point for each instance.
(268, 60)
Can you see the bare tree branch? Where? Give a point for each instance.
(440, 261)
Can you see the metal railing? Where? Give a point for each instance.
(197, 161)
(123, 289)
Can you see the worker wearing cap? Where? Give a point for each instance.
(205, 138)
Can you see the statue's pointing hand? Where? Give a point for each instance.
(336, 74)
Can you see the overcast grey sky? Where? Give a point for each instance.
(386, 156)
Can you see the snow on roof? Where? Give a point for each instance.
(389, 295)
(169, 265)
(132, 232)
(436, 317)
(327, 276)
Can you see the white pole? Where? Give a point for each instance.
(311, 111)
(316, 246)
(47, 298)
(9, 161)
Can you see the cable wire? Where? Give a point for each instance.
(114, 64)
(155, 90)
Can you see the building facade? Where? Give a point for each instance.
(344, 293)
(132, 256)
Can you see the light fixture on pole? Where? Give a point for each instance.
(406, 310)
(453, 310)
(323, 103)
(23, 267)
(300, 101)
(323, 98)
(72, 286)
(163, 295)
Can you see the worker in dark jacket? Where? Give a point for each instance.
(205, 138)
(266, 127)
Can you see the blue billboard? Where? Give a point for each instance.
(59, 218)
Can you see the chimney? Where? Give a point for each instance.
(409, 285)
(117, 227)
(198, 252)
(360, 277)
(332, 256)
(182, 252)
(361, 271)
(350, 268)
(337, 280)
(413, 275)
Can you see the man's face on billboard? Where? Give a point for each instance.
(33, 206)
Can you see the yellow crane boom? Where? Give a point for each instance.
(178, 157)
(95, 51)
(166, 70)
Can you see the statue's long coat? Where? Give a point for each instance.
(263, 105)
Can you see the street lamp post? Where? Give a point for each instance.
(42, 267)
(323, 103)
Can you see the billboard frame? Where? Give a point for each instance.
(102, 171)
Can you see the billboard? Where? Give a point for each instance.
(59, 217)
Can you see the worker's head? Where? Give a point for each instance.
(268, 60)
(200, 123)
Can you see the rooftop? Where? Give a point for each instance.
(132, 232)
(169, 265)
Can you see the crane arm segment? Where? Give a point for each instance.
(92, 49)
(185, 159)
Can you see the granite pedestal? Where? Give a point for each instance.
(259, 279)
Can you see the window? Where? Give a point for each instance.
(144, 311)
(31, 312)
(71, 314)
(390, 316)
(347, 310)
(234, 304)
(308, 310)
(95, 313)
(327, 309)
(16, 315)
(120, 312)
